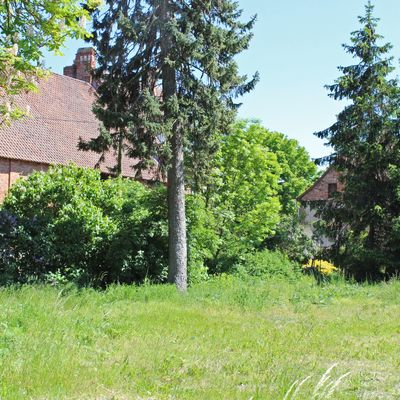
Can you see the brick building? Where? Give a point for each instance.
(85, 60)
(61, 113)
(322, 190)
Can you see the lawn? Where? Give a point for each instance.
(226, 339)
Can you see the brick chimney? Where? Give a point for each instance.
(85, 61)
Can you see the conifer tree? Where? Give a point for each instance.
(365, 139)
(168, 87)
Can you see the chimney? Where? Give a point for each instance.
(85, 61)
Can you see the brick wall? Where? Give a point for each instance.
(11, 170)
(318, 192)
(4, 177)
(320, 189)
(85, 61)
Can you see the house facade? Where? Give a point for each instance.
(60, 114)
(321, 191)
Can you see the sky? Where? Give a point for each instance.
(297, 47)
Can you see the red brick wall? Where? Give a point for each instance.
(320, 189)
(4, 177)
(85, 60)
(70, 71)
(11, 170)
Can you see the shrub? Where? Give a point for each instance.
(322, 270)
(291, 240)
(69, 225)
(203, 240)
(59, 223)
(268, 264)
(139, 250)
(322, 266)
(69, 222)
(8, 256)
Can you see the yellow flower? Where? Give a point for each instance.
(322, 266)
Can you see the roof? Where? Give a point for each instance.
(319, 191)
(61, 113)
(312, 187)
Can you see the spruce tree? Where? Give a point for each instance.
(168, 86)
(365, 139)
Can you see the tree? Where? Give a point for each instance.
(245, 190)
(27, 28)
(365, 139)
(298, 171)
(169, 80)
(258, 176)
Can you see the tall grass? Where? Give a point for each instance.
(228, 338)
(324, 389)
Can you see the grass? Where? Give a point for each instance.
(225, 339)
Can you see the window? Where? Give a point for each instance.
(332, 189)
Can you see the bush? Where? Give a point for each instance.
(322, 266)
(8, 257)
(291, 240)
(69, 222)
(203, 240)
(69, 225)
(268, 264)
(321, 270)
(139, 250)
(59, 224)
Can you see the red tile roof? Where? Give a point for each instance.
(61, 113)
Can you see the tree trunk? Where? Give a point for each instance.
(176, 215)
(177, 272)
(119, 159)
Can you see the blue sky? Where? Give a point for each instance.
(296, 49)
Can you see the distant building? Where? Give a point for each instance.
(322, 190)
(85, 61)
(61, 113)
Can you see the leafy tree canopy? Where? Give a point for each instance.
(258, 176)
(27, 28)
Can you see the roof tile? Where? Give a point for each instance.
(61, 113)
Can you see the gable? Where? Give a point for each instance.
(322, 188)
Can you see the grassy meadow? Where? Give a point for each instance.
(228, 338)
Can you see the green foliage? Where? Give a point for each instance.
(245, 193)
(362, 220)
(267, 264)
(140, 247)
(203, 239)
(257, 177)
(69, 221)
(298, 171)
(69, 225)
(27, 28)
(134, 104)
(291, 240)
